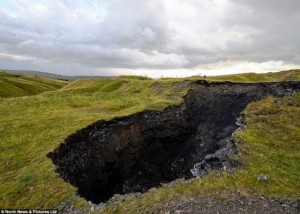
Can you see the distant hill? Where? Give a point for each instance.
(262, 77)
(16, 85)
(293, 75)
(51, 75)
(243, 77)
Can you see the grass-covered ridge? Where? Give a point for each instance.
(264, 77)
(32, 126)
(13, 85)
(254, 77)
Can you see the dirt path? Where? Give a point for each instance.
(234, 203)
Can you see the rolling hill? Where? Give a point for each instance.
(51, 75)
(293, 75)
(14, 85)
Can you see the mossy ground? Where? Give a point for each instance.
(32, 126)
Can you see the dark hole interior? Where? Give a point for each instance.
(143, 150)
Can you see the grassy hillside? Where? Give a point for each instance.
(32, 126)
(254, 77)
(18, 85)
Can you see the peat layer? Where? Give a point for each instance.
(143, 150)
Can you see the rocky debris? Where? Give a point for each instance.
(69, 209)
(221, 157)
(220, 160)
(144, 150)
(181, 85)
(262, 177)
(115, 207)
(240, 122)
(233, 203)
(289, 92)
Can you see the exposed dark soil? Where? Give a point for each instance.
(143, 150)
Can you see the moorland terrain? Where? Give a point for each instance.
(37, 114)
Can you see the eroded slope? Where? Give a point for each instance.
(137, 152)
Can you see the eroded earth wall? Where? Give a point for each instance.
(143, 150)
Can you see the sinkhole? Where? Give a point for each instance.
(137, 152)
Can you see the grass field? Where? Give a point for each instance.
(32, 126)
(12, 85)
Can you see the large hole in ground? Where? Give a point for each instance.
(143, 150)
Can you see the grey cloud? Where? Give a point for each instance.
(272, 6)
(98, 35)
(276, 36)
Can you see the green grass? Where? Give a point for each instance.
(253, 77)
(18, 85)
(32, 126)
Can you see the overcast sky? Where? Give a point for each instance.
(150, 37)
